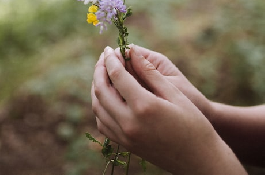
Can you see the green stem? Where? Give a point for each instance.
(122, 40)
(115, 158)
(128, 164)
(104, 172)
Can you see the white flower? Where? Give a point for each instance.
(88, 1)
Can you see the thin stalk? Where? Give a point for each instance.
(122, 39)
(115, 158)
(128, 164)
(104, 172)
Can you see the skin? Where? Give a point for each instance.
(142, 110)
(242, 128)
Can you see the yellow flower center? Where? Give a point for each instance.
(93, 9)
(92, 18)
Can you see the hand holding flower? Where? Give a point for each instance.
(164, 127)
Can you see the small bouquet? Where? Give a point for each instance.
(102, 13)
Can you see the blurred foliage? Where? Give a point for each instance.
(26, 26)
(81, 158)
(48, 53)
(241, 25)
(32, 39)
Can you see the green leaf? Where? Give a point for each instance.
(91, 138)
(124, 154)
(128, 13)
(119, 163)
(143, 164)
(107, 150)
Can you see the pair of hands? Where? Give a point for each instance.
(143, 108)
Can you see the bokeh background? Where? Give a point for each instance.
(47, 57)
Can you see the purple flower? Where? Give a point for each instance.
(108, 10)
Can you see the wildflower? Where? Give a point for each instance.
(92, 18)
(93, 9)
(108, 10)
(88, 1)
(104, 12)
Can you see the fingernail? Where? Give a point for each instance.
(136, 52)
(131, 45)
(108, 50)
(117, 50)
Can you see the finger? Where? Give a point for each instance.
(107, 95)
(106, 124)
(101, 112)
(160, 61)
(130, 69)
(119, 55)
(146, 71)
(122, 80)
(128, 65)
(106, 131)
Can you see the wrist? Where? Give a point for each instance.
(211, 156)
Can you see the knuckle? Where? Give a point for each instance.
(100, 127)
(94, 109)
(100, 130)
(98, 92)
(149, 66)
(131, 132)
(97, 89)
(143, 108)
(115, 73)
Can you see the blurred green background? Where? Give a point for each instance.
(47, 57)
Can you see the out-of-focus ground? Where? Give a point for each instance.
(47, 57)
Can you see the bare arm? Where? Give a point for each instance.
(243, 129)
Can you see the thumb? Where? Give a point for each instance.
(150, 76)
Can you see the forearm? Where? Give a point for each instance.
(213, 158)
(243, 129)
